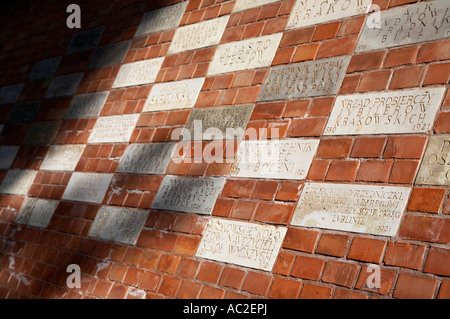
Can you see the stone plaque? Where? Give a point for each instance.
(217, 123)
(187, 194)
(278, 159)
(137, 73)
(17, 181)
(435, 167)
(23, 113)
(113, 129)
(241, 243)
(64, 85)
(118, 224)
(173, 95)
(7, 155)
(11, 93)
(42, 133)
(198, 35)
(161, 19)
(45, 69)
(403, 111)
(248, 4)
(109, 55)
(312, 12)
(367, 209)
(304, 79)
(36, 212)
(86, 105)
(419, 22)
(1, 128)
(245, 54)
(85, 40)
(87, 187)
(62, 157)
(146, 158)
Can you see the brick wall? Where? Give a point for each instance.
(313, 262)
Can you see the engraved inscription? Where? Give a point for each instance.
(7, 155)
(241, 243)
(246, 54)
(189, 195)
(137, 73)
(17, 181)
(248, 4)
(313, 78)
(113, 129)
(435, 167)
(87, 187)
(36, 212)
(404, 111)
(279, 159)
(424, 21)
(365, 209)
(161, 19)
(86, 105)
(146, 158)
(62, 157)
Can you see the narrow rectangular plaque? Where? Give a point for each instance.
(45, 69)
(36, 212)
(241, 243)
(248, 4)
(312, 12)
(304, 79)
(23, 113)
(17, 181)
(198, 35)
(109, 55)
(87, 187)
(189, 195)
(64, 85)
(278, 159)
(137, 73)
(146, 158)
(42, 133)
(218, 123)
(435, 166)
(356, 208)
(419, 22)
(173, 95)
(62, 157)
(245, 54)
(113, 129)
(10, 94)
(85, 40)
(118, 224)
(161, 19)
(7, 155)
(403, 111)
(86, 105)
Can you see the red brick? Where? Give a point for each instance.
(150, 281)
(342, 170)
(404, 255)
(300, 239)
(407, 78)
(434, 51)
(232, 277)
(442, 124)
(414, 287)
(340, 273)
(289, 191)
(374, 171)
(335, 47)
(350, 83)
(296, 37)
(307, 267)
(283, 56)
(283, 263)
(211, 293)
(366, 61)
(209, 272)
(318, 169)
(274, 212)
(334, 148)
(242, 78)
(438, 261)
(168, 263)
(247, 95)
(296, 108)
(426, 200)
(368, 147)
(238, 188)
(395, 3)
(169, 286)
(267, 111)
(312, 291)
(351, 26)
(326, 31)
(367, 249)
(401, 56)
(284, 288)
(265, 190)
(188, 268)
(374, 81)
(333, 245)
(257, 283)
(386, 280)
(223, 207)
(307, 127)
(189, 290)
(403, 172)
(306, 52)
(444, 290)
(437, 74)
(186, 245)
(423, 228)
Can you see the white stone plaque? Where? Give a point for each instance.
(17, 181)
(245, 54)
(367, 209)
(146, 158)
(435, 166)
(45, 69)
(137, 73)
(241, 243)
(403, 111)
(87, 187)
(86, 105)
(64, 85)
(248, 4)
(85, 40)
(173, 95)
(11, 93)
(198, 35)
(404, 25)
(118, 224)
(109, 55)
(113, 129)
(187, 194)
(62, 157)
(42, 133)
(304, 79)
(278, 159)
(7, 155)
(312, 12)
(161, 19)
(36, 212)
